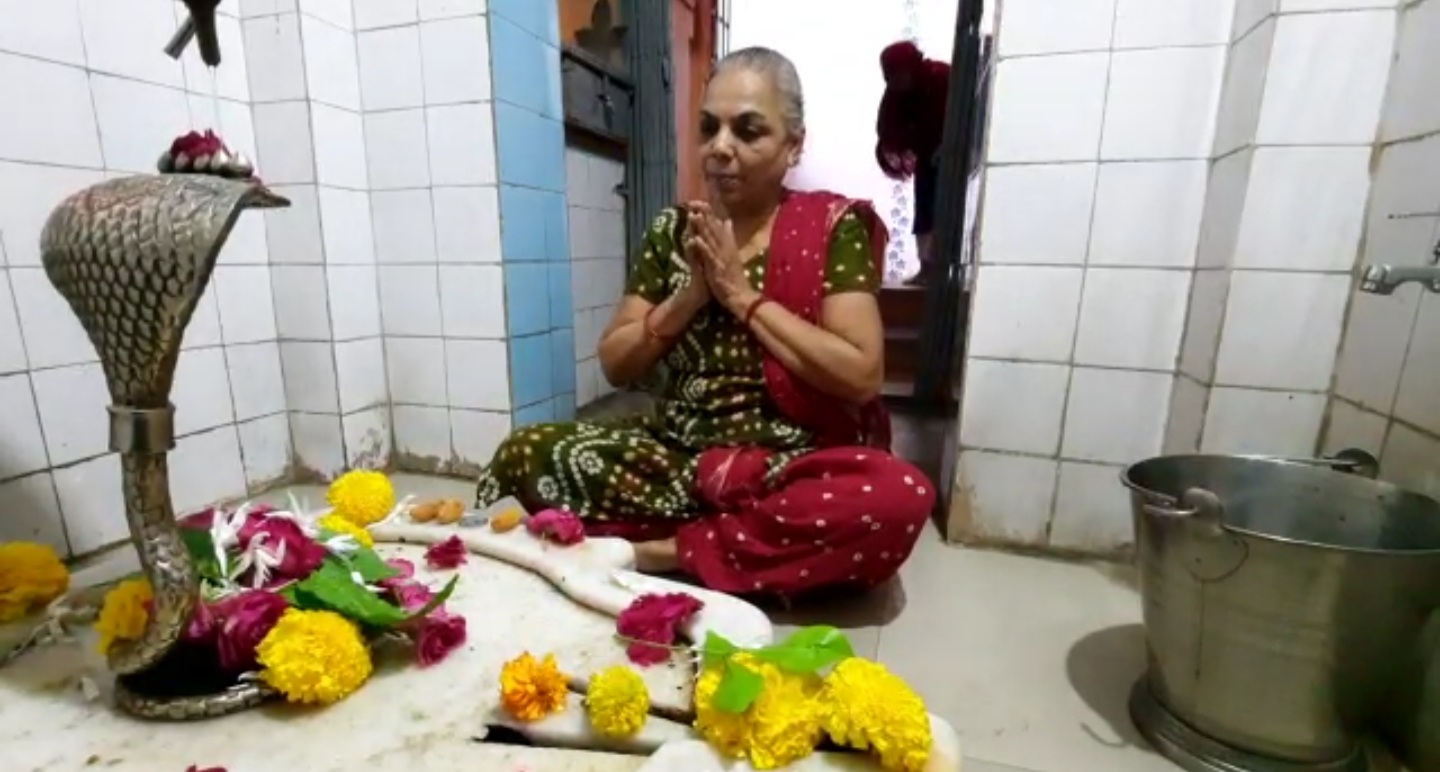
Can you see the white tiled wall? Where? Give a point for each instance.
(86, 95)
(598, 260)
(1386, 396)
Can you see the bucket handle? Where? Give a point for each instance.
(1350, 460)
(1197, 504)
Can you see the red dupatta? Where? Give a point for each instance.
(911, 122)
(795, 278)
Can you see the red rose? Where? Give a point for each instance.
(438, 635)
(245, 620)
(450, 553)
(655, 619)
(282, 537)
(557, 526)
(411, 596)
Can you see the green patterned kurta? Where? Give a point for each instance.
(644, 466)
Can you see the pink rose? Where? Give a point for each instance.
(438, 635)
(196, 144)
(245, 620)
(655, 619)
(411, 596)
(403, 568)
(557, 526)
(300, 555)
(450, 553)
(203, 623)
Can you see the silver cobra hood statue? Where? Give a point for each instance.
(132, 257)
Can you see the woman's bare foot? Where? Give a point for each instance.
(657, 557)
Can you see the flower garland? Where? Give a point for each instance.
(295, 600)
(31, 576)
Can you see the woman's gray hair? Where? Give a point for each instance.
(781, 71)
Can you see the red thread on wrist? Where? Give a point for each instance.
(753, 307)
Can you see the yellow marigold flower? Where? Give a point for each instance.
(617, 702)
(314, 657)
(362, 497)
(782, 726)
(344, 527)
(125, 613)
(873, 709)
(31, 575)
(531, 689)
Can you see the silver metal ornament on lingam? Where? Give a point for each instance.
(132, 257)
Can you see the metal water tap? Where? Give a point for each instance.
(198, 25)
(1385, 279)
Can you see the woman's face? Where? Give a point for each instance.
(743, 141)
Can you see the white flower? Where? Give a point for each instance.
(590, 462)
(548, 488)
(488, 491)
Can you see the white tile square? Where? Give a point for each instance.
(584, 230)
(374, 14)
(23, 449)
(1016, 197)
(246, 244)
(265, 450)
(423, 434)
(247, 310)
(339, 147)
(283, 141)
(1418, 399)
(473, 298)
(1148, 213)
(1305, 209)
(367, 438)
(354, 301)
(461, 144)
(361, 367)
(256, 379)
(1238, 115)
(111, 29)
(1164, 23)
(1187, 416)
(53, 335)
(28, 193)
(1092, 510)
(72, 402)
(1410, 109)
(1326, 79)
(91, 498)
(1409, 460)
(1039, 27)
(410, 300)
(404, 225)
(293, 234)
(478, 374)
(319, 446)
(43, 31)
(274, 58)
(201, 392)
(1350, 427)
(417, 370)
(302, 305)
(444, 9)
(391, 76)
(310, 383)
(1013, 406)
(1132, 318)
(1224, 208)
(477, 434)
(59, 123)
(12, 342)
(396, 149)
(137, 121)
(1282, 330)
(231, 81)
(1048, 108)
(345, 226)
(29, 511)
(204, 327)
(1006, 499)
(206, 469)
(456, 55)
(1025, 313)
(332, 71)
(587, 387)
(336, 12)
(1161, 103)
(1278, 423)
(1373, 352)
(1392, 234)
(467, 224)
(1204, 316)
(1115, 416)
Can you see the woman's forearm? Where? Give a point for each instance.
(627, 351)
(819, 357)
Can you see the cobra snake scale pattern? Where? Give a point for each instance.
(132, 257)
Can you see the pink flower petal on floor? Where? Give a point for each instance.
(655, 619)
(557, 526)
(450, 553)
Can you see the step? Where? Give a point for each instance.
(902, 306)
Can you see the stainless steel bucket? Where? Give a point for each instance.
(1284, 603)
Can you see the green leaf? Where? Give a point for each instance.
(717, 649)
(332, 588)
(808, 650)
(371, 567)
(436, 601)
(738, 688)
(202, 552)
